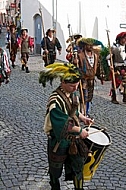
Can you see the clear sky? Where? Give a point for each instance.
(90, 9)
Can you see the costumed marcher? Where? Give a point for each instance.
(49, 44)
(72, 48)
(119, 63)
(62, 126)
(26, 47)
(4, 67)
(88, 63)
(12, 39)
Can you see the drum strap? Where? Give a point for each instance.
(69, 109)
(69, 106)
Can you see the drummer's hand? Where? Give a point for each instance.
(88, 121)
(84, 134)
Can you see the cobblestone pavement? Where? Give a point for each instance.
(23, 158)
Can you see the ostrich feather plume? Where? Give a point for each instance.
(65, 71)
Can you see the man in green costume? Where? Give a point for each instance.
(62, 125)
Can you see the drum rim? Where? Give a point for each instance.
(98, 145)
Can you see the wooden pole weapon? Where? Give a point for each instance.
(40, 10)
(54, 22)
(80, 83)
(111, 60)
(81, 92)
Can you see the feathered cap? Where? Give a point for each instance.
(65, 71)
(120, 36)
(89, 41)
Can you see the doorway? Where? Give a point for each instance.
(38, 33)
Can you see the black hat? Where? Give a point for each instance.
(77, 36)
(73, 37)
(49, 30)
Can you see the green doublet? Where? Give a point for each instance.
(56, 118)
(56, 126)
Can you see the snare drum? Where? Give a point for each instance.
(97, 143)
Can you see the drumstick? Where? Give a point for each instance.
(103, 129)
(92, 121)
(87, 129)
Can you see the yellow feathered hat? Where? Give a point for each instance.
(89, 41)
(65, 71)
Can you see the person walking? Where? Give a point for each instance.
(88, 63)
(72, 49)
(49, 44)
(119, 63)
(12, 39)
(26, 47)
(62, 126)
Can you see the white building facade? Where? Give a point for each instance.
(2, 11)
(31, 19)
(87, 17)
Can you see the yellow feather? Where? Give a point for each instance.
(60, 69)
(54, 65)
(66, 71)
(69, 76)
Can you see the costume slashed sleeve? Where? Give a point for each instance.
(58, 45)
(43, 44)
(58, 120)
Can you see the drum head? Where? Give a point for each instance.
(98, 137)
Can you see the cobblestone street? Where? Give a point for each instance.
(23, 158)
